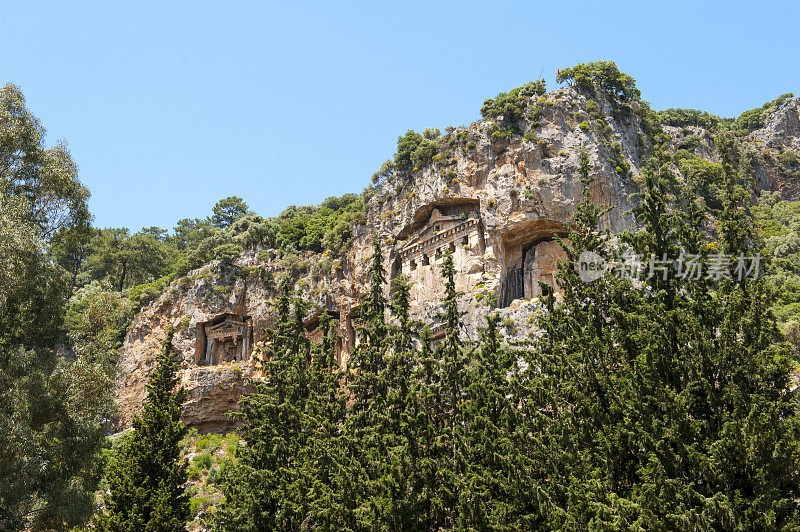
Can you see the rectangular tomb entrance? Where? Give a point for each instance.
(530, 255)
(224, 338)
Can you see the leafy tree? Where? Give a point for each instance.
(96, 320)
(147, 477)
(69, 247)
(49, 442)
(157, 233)
(46, 178)
(326, 227)
(50, 433)
(383, 172)
(227, 211)
(126, 260)
(33, 291)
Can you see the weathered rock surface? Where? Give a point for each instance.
(515, 193)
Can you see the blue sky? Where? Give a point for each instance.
(169, 106)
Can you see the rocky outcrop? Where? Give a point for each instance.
(245, 286)
(495, 200)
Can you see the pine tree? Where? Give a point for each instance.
(147, 478)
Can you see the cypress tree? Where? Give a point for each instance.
(667, 399)
(264, 487)
(147, 478)
(330, 499)
(366, 382)
(401, 486)
(452, 465)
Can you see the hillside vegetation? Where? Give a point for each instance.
(665, 402)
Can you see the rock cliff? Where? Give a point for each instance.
(495, 195)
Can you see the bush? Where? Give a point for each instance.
(198, 503)
(688, 117)
(755, 118)
(415, 151)
(227, 252)
(602, 75)
(143, 294)
(202, 461)
(511, 105)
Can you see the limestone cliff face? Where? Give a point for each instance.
(495, 202)
(244, 286)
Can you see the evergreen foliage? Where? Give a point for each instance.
(688, 117)
(147, 477)
(656, 390)
(415, 151)
(227, 211)
(663, 402)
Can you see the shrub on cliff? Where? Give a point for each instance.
(511, 105)
(603, 75)
(688, 117)
(755, 118)
(414, 151)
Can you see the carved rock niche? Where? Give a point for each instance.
(530, 254)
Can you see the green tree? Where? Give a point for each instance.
(656, 395)
(602, 75)
(96, 320)
(228, 210)
(127, 260)
(50, 434)
(147, 477)
(188, 233)
(46, 178)
(263, 488)
(452, 467)
(50, 442)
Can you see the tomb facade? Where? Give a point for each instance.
(224, 338)
(454, 228)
